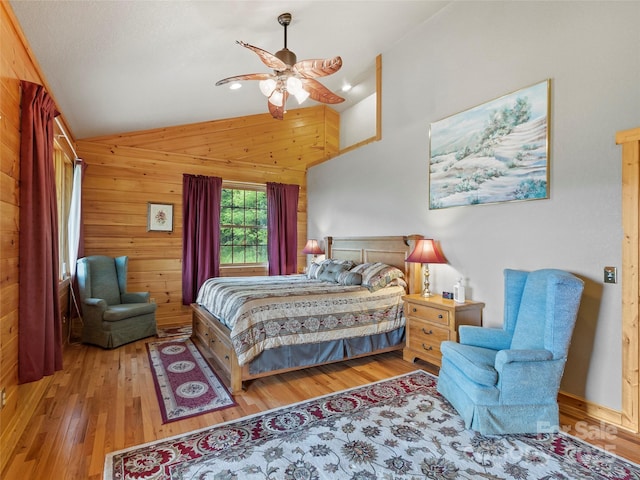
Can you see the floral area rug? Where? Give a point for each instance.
(185, 384)
(396, 429)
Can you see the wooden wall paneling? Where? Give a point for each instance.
(16, 63)
(122, 177)
(256, 139)
(630, 141)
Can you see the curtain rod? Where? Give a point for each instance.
(66, 137)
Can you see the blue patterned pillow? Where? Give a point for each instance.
(377, 275)
(349, 278)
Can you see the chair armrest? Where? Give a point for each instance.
(504, 357)
(493, 338)
(135, 297)
(96, 303)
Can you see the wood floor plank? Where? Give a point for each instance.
(105, 400)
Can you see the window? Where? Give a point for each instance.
(243, 225)
(64, 179)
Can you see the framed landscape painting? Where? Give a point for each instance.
(495, 152)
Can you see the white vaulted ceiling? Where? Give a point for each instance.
(121, 66)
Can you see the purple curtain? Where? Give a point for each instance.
(282, 225)
(201, 197)
(39, 324)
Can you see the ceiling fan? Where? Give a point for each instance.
(289, 76)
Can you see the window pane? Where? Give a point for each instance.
(250, 198)
(225, 215)
(250, 216)
(238, 236)
(227, 196)
(238, 217)
(226, 254)
(243, 226)
(238, 254)
(238, 198)
(226, 236)
(262, 201)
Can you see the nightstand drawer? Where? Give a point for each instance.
(427, 313)
(425, 337)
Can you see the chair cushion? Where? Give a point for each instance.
(116, 313)
(477, 363)
(104, 279)
(530, 325)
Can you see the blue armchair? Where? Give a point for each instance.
(507, 380)
(111, 315)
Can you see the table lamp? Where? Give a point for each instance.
(312, 248)
(425, 252)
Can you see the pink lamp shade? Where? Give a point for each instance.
(312, 248)
(426, 251)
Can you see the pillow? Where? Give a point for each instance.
(312, 272)
(377, 275)
(349, 278)
(330, 272)
(315, 273)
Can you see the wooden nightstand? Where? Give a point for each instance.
(431, 320)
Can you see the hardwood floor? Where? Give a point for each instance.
(104, 400)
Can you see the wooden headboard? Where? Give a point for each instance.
(392, 250)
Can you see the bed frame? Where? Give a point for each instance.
(213, 337)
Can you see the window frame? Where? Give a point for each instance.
(63, 168)
(230, 185)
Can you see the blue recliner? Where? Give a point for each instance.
(507, 380)
(111, 315)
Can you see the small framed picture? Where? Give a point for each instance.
(160, 217)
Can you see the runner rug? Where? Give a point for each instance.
(185, 384)
(399, 428)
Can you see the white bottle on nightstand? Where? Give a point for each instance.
(458, 292)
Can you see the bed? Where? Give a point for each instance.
(269, 338)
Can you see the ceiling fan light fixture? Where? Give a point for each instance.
(301, 96)
(294, 85)
(276, 98)
(289, 76)
(267, 86)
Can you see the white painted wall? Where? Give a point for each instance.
(472, 52)
(358, 122)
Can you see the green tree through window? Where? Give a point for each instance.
(243, 226)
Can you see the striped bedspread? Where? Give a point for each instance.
(269, 312)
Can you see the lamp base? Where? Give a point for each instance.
(425, 289)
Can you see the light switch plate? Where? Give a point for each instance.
(610, 275)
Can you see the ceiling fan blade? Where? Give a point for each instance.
(318, 68)
(319, 92)
(247, 76)
(278, 112)
(267, 58)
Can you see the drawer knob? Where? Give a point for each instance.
(440, 316)
(414, 309)
(226, 357)
(430, 332)
(430, 347)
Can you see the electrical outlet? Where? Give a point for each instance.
(610, 275)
